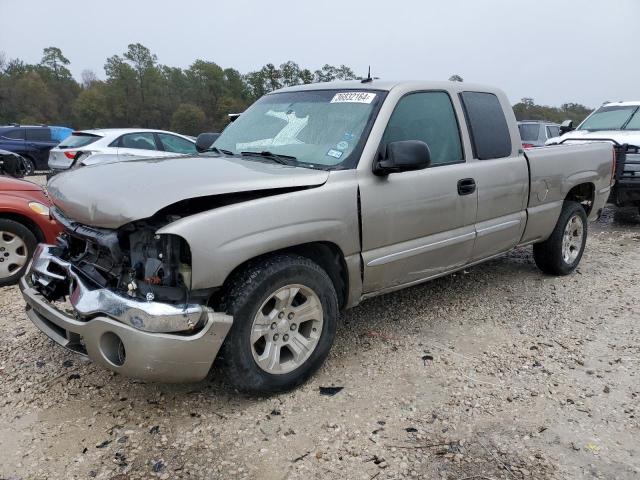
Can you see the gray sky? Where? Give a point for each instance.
(555, 51)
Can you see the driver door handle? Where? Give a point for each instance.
(466, 186)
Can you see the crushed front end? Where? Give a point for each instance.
(123, 298)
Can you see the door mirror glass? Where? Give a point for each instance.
(566, 126)
(403, 156)
(205, 140)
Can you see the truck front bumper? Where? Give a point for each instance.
(174, 357)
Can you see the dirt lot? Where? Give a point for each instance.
(495, 373)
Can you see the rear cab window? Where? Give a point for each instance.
(78, 139)
(487, 125)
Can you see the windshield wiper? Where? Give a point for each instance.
(282, 159)
(220, 150)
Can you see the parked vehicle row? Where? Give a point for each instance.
(90, 147)
(59, 148)
(32, 142)
(315, 198)
(617, 123)
(12, 164)
(535, 133)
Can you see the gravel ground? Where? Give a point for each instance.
(499, 372)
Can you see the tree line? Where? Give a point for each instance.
(138, 91)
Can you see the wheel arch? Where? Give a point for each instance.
(584, 194)
(26, 221)
(327, 255)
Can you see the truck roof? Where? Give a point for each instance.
(388, 85)
(628, 103)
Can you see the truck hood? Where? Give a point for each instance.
(632, 137)
(111, 195)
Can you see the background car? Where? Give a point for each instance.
(24, 222)
(32, 142)
(12, 164)
(535, 133)
(88, 147)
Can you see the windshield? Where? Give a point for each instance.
(611, 118)
(320, 128)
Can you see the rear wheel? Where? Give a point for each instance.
(560, 254)
(17, 244)
(285, 312)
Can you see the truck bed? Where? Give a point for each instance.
(554, 171)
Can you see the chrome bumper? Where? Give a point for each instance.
(47, 267)
(116, 343)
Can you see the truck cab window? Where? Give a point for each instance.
(487, 125)
(429, 117)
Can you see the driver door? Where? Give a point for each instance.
(419, 224)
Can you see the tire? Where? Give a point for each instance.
(14, 257)
(251, 297)
(560, 254)
(29, 167)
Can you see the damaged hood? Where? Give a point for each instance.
(111, 195)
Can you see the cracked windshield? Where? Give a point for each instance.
(318, 128)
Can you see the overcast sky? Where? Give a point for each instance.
(555, 51)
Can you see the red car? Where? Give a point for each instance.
(24, 222)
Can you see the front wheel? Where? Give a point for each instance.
(560, 254)
(285, 312)
(17, 244)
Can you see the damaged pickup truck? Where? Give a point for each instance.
(316, 198)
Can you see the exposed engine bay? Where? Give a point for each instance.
(131, 260)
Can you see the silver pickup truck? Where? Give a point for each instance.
(316, 198)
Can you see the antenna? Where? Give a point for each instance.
(368, 79)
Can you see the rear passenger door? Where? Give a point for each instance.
(500, 172)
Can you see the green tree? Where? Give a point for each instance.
(306, 76)
(345, 73)
(290, 73)
(188, 119)
(56, 63)
(327, 73)
(91, 107)
(124, 103)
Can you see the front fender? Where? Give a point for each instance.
(223, 238)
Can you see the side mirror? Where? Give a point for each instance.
(205, 140)
(403, 156)
(566, 126)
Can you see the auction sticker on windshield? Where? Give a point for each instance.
(353, 97)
